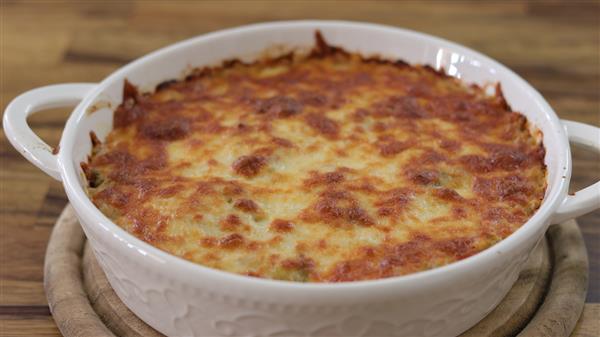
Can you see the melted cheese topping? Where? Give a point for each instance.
(323, 168)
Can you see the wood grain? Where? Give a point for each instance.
(63, 281)
(553, 45)
(564, 299)
(589, 322)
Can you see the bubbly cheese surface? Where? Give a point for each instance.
(324, 167)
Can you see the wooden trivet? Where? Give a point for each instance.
(546, 300)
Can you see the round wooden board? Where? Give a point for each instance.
(546, 300)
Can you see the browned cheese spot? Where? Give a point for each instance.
(249, 166)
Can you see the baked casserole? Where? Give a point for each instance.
(325, 166)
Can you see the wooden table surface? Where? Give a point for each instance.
(555, 46)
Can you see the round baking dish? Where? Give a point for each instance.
(180, 298)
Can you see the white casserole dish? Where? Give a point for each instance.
(180, 298)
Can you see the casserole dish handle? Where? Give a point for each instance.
(587, 199)
(20, 134)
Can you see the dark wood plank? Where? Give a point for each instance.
(25, 310)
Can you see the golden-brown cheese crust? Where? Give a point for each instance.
(323, 168)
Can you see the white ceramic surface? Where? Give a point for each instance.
(180, 298)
